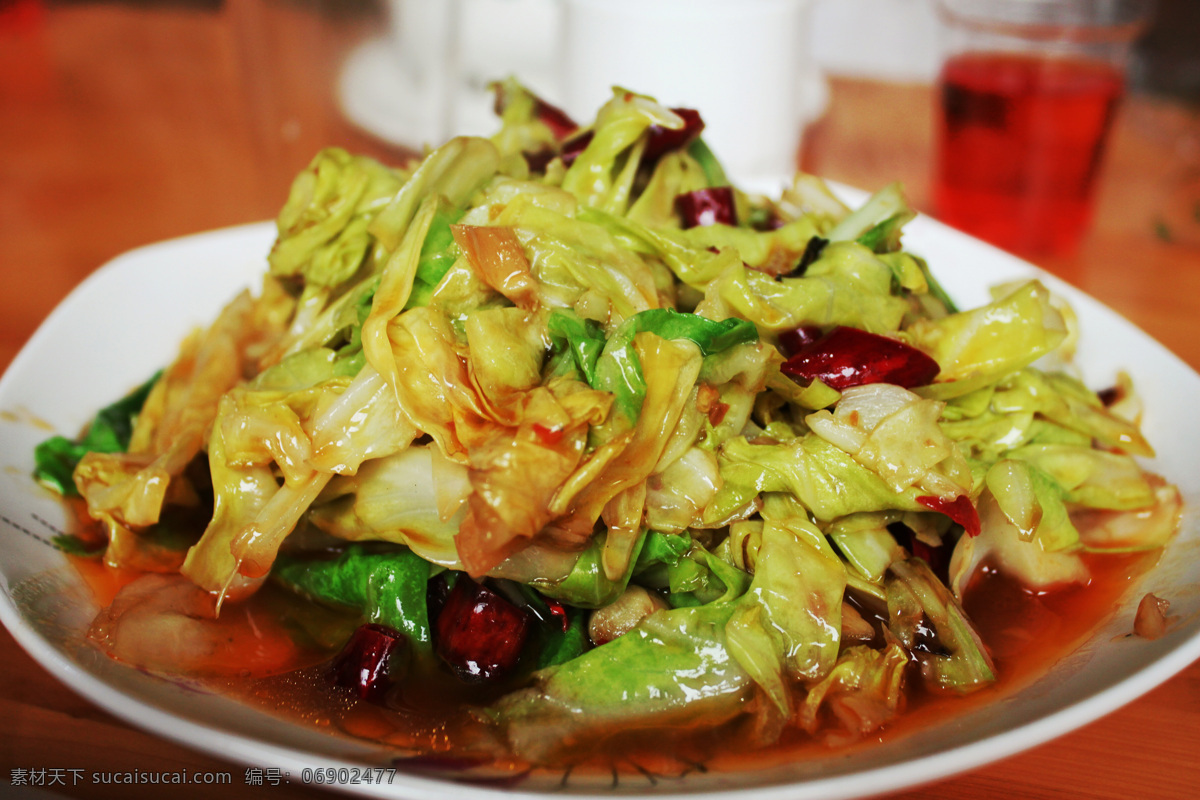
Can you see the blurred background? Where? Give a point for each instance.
(125, 123)
(128, 122)
(208, 107)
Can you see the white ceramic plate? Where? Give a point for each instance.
(126, 320)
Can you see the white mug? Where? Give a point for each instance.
(449, 51)
(743, 64)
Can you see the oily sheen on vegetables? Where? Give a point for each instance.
(564, 416)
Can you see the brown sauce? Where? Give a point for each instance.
(427, 724)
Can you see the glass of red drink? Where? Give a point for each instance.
(1027, 94)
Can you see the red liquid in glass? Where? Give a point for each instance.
(1021, 139)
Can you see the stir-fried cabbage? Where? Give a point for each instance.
(516, 364)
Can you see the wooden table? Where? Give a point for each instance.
(123, 124)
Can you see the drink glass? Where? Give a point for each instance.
(1027, 95)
